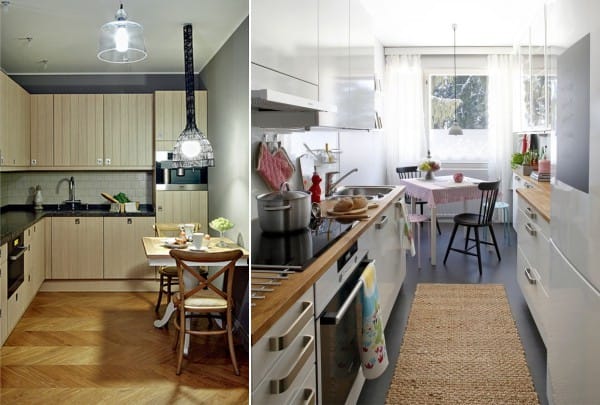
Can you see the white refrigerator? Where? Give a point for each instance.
(573, 345)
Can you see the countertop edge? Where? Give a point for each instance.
(267, 312)
(539, 196)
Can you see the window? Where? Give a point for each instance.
(471, 114)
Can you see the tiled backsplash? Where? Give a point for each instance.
(19, 188)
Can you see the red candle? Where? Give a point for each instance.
(524, 144)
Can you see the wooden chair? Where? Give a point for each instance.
(412, 172)
(204, 299)
(168, 274)
(489, 193)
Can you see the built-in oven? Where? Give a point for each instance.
(339, 309)
(16, 264)
(194, 178)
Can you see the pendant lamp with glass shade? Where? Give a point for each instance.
(122, 41)
(455, 129)
(192, 148)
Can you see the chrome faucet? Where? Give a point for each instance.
(330, 185)
(71, 199)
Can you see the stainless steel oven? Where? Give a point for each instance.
(16, 264)
(338, 327)
(191, 179)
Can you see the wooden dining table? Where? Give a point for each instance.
(157, 254)
(440, 190)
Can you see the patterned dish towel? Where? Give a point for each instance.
(373, 356)
(408, 242)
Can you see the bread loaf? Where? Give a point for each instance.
(343, 205)
(359, 202)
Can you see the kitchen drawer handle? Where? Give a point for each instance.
(530, 277)
(77, 221)
(381, 224)
(530, 229)
(282, 385)
(280, 208)
(307, 396)
(527, 185)
(277, 343)
(531, 213)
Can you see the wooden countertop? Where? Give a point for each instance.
(268, 311)
(538, 196)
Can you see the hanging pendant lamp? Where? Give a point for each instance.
(192, 148)
(455, 129)
(122, 41)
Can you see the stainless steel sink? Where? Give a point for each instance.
(371, 192)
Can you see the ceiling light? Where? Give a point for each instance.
(122, 41)
(192, 148)
(455, 129)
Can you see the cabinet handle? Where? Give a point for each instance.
(99, 161)
(306, 395)
(281, 385)
(277, 343)
(527, 185)
(530, 229)
(107, 161)
(129, 221)
(33, 162)
(530, 213)
(530, 277)
(382, 222)
(77, 221)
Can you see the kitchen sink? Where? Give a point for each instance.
(371, 192)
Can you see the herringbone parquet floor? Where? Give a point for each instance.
(101, 348)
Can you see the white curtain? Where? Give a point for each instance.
(403, 120)
(501, 79)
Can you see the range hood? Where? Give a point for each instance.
(272, 100)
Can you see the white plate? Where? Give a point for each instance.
(202, 249)
(175, 245)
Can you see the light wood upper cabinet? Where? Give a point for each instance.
(182, 207)
(124, 256)
(78, 130)
(14, 123)
(170, 116)
(42, 129)
(128, 130)
(77, 248)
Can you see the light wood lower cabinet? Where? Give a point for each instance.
(124, 256)
(77, 248)
(182, 207)
(3, 293)
(34, 238)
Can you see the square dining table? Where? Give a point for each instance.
(440, 190)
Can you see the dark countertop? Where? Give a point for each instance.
(14, 219)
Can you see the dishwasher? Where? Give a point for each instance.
(337, 300)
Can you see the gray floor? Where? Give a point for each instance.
(461, 269)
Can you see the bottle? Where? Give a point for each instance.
(315, 189)
(328, 154)
(524, 144)
(38, 200)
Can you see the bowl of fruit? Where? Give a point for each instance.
(429, 166)
(221, 225)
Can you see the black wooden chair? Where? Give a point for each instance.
(412, 172)
(489, 192)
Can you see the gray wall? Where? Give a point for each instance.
(226, 79)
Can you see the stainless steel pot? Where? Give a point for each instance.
(284, 210)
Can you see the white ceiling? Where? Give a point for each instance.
(65, 32)
(408, 23)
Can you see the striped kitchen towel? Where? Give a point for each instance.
(373, 355)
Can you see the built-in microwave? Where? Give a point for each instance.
(195, 178)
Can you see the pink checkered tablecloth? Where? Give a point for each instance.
(442, 189)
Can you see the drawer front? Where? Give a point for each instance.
(285, 331)
(284, 381)
(535, 244)
(535, 293)
(534, 216)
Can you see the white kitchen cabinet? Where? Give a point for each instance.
(285, 36)
(14, 123)
(182, 207)
(124, 256)
(3, 293)
(518, 181)
(77, 248)
(533, 263)
(383, 241)
(289, 345)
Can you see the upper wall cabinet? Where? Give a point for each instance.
(128, 130)
(285, 46)
(78, 130)
(170, 116)
(14, 123)
(42, 130)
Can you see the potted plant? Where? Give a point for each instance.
(521, 163)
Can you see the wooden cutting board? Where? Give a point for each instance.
(357, 211)
(109, 197)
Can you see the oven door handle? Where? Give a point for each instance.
(335, 318)
(16, 257)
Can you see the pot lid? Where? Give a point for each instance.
(284, 194)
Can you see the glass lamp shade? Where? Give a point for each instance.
(122, 41)
(455, 129)
(192, 149)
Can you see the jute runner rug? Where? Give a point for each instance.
(461, 346)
